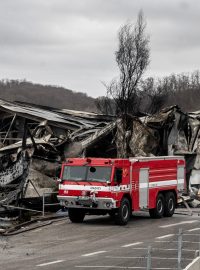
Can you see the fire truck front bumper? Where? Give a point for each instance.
(87, 202)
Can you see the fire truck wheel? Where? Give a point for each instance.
(123, 215)
(169, 204)
(76, 215)
(158, 212)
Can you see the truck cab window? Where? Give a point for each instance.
(99, 173)
(118, 175)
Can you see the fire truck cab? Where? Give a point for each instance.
(120, 186)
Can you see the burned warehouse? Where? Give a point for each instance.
(35, 140)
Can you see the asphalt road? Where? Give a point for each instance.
(99, 244)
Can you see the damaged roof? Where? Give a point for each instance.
(67, 119)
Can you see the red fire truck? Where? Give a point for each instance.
(120, 186)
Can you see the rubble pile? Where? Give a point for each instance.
(34, 140)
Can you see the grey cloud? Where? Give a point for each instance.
(72, 43)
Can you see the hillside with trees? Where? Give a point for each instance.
(46, 95)
(156, 93)
(178, 89)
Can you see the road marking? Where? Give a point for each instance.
(195, 229)
(122, 267)
(192, 234)
(135, 257)
(165, 249)
(132, 244)
(37, 230)
(94, 253)
(176, 242)
(179, 223)
(165, 236)
(48, 263)
(59, 223)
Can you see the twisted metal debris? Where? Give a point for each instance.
(40, 138)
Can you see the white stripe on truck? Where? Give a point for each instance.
(122, 187)
(162, 183)
(94, 188)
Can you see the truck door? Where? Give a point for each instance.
(143, 187)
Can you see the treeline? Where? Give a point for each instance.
(154, 94)
(45, 95)
(181, 89)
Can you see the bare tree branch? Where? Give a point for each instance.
(132, 58)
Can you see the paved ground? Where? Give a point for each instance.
(99, 244)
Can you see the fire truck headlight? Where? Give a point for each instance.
(66, 203)
(108, 204)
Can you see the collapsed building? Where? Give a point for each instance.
(169, 132)
(34, 140)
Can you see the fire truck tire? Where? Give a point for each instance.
(76, 215)
(170, 203)
(158, 211)
(123, 214)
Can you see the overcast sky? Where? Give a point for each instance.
(72, 43)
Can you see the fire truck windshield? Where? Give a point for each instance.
(87, 173)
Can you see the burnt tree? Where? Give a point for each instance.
(132, 58)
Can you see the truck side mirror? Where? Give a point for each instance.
(58, 180)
